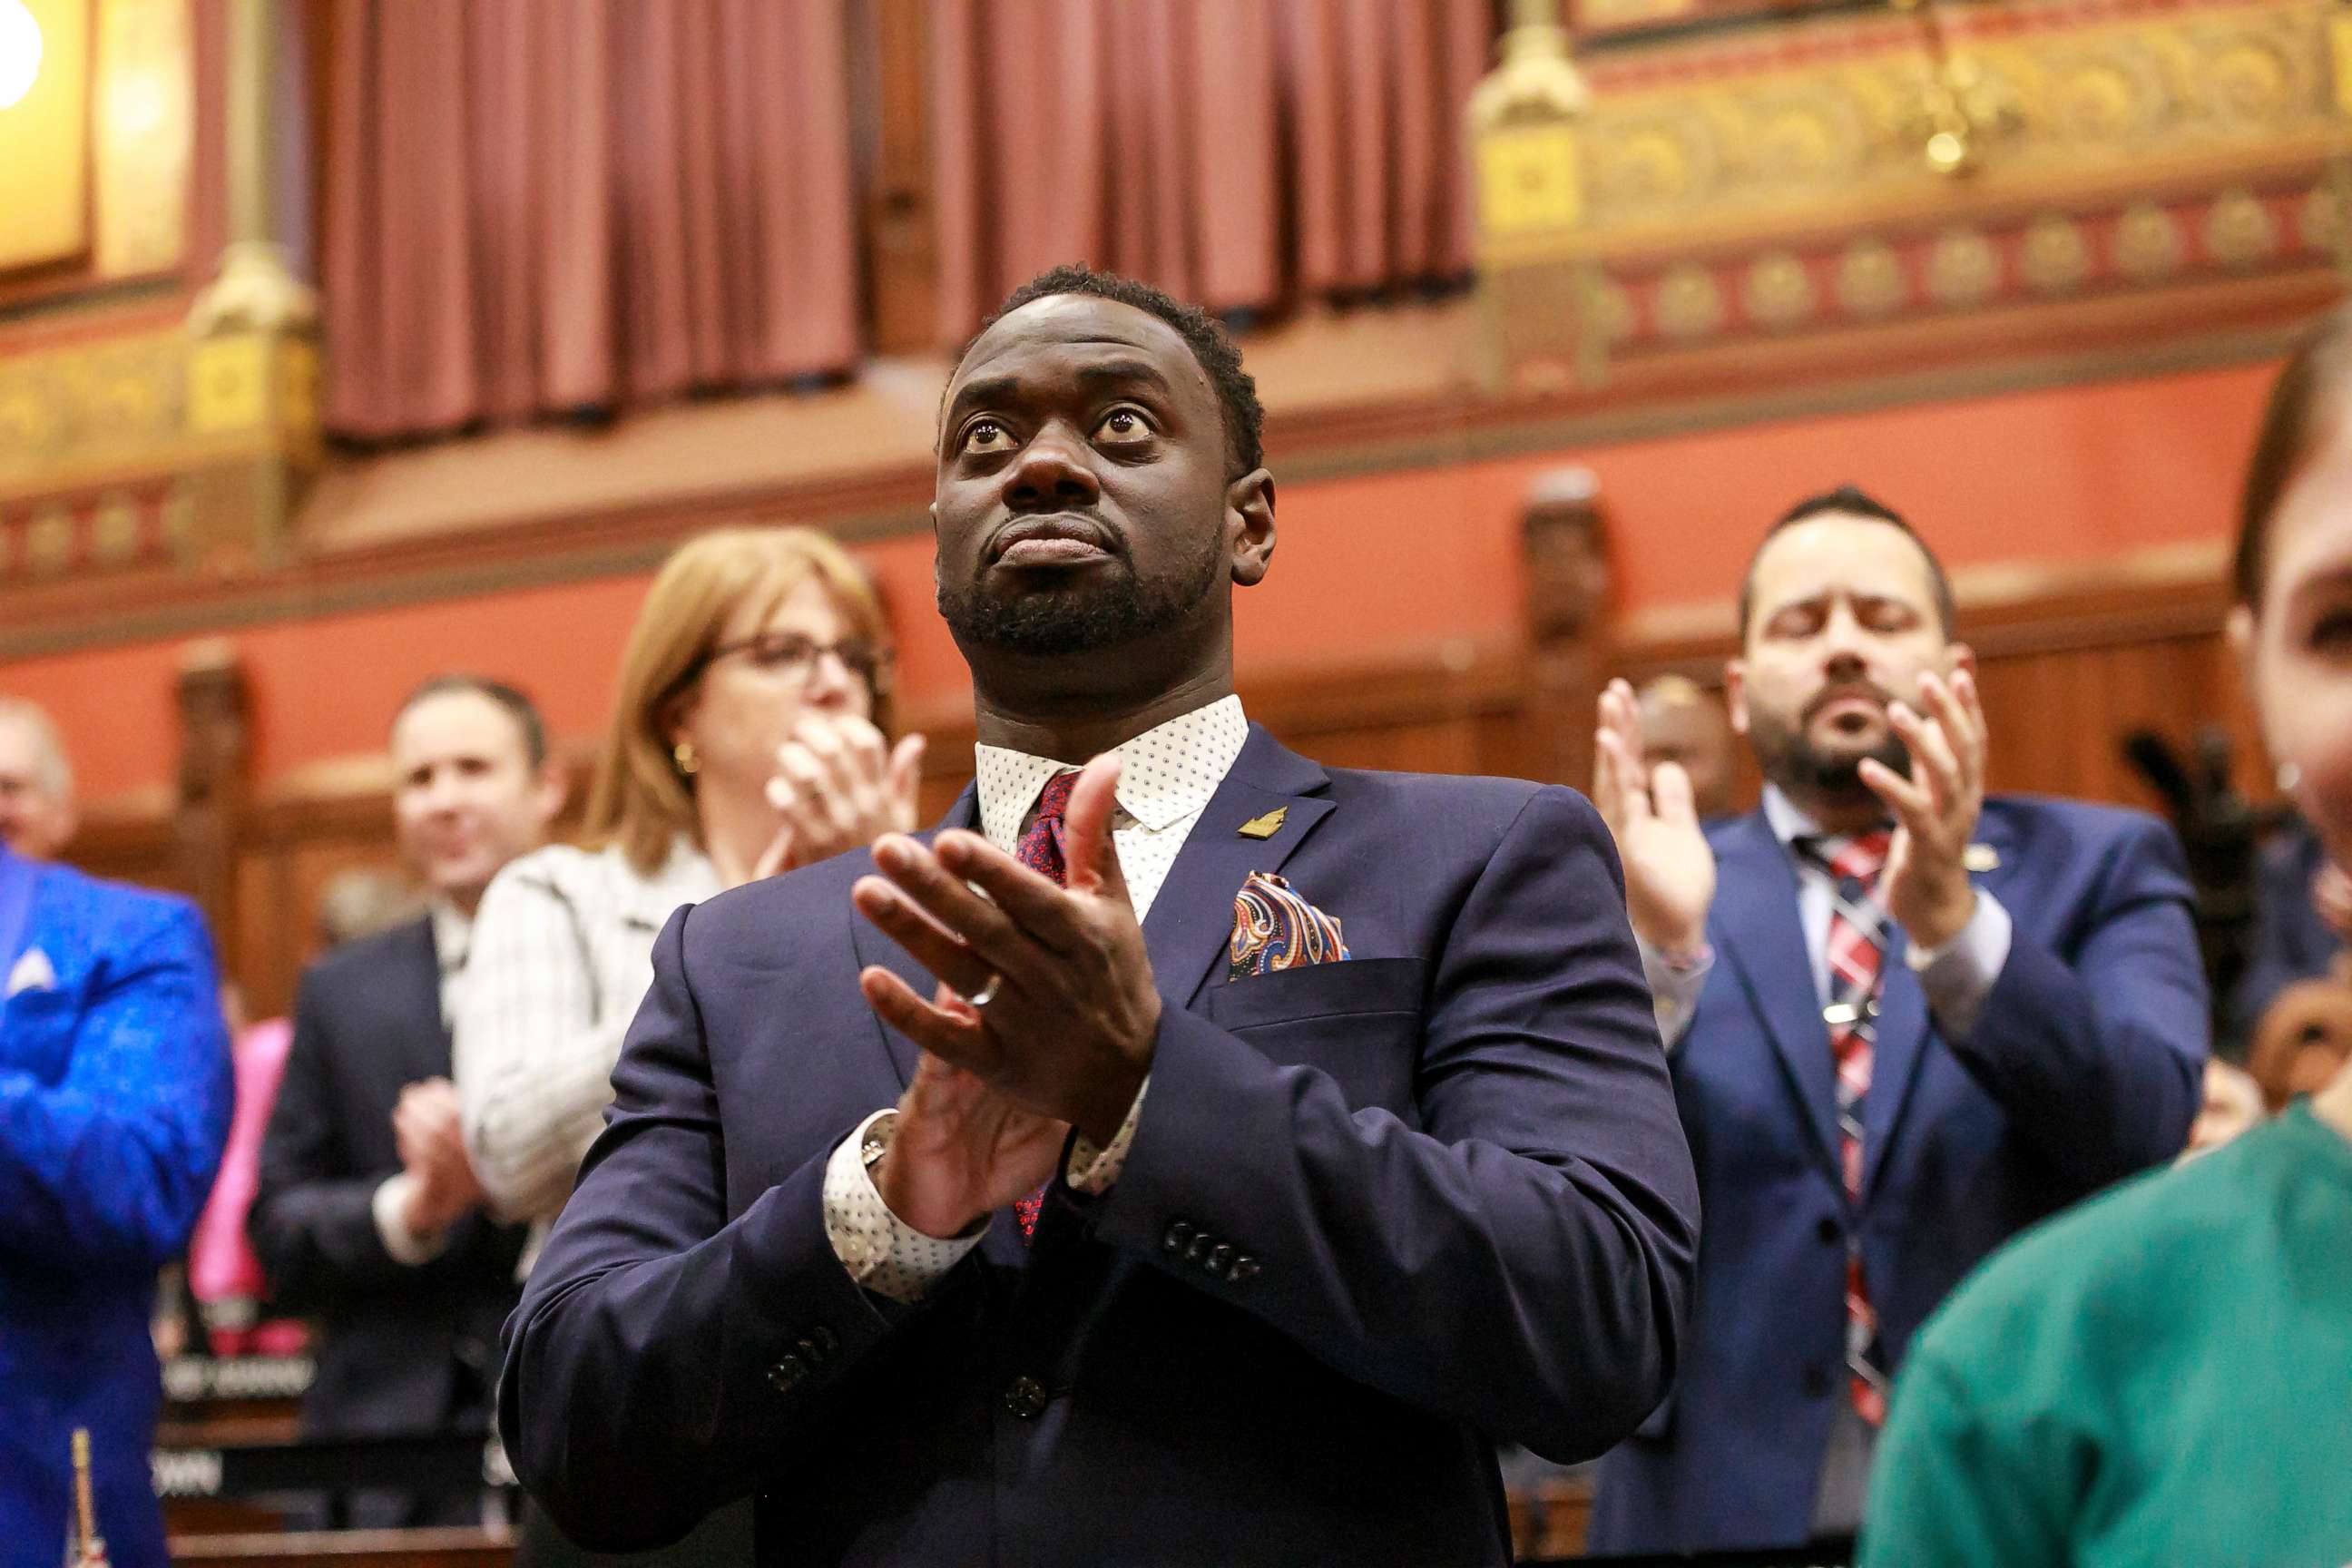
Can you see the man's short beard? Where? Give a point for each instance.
(1788, 757)
(1083, 617)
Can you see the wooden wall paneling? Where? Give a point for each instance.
(2069, 663)
(2066, 672)
(1430, 746)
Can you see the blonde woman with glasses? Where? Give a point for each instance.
(747, 738)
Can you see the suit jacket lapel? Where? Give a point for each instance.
(873, 947)
(1904, 1024)
(1191, 918)
(1758, 928)
(415, 999)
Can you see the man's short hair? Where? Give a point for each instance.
(519, 707)
(1848, 501)
(1220, 360)
(52, 770)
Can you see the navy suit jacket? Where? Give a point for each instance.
(2083, 1067)
(1376, 1215)
(114, 1107)
(407, 1349)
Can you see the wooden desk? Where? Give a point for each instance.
(345, 1549)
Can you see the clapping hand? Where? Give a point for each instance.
(431, 1142)
(837, 787)
(1926, 888)
(1072, 1014)
(1669, 867)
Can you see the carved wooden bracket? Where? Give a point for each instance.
(1565, 544)
(215, 785)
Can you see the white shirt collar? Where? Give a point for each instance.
(1167, 776)
(453, 934)
(1789, 821)
(1787, 818)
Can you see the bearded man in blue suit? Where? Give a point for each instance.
(114, 1106)
(1906, 1020)
(1269, 1142)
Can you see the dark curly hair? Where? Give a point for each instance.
(1244, 417)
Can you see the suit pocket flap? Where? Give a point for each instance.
(1350, 987)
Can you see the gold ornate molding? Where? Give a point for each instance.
(1782, 178)
(2096, 103)
(151, 450)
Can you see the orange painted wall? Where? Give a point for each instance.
(1367, 567)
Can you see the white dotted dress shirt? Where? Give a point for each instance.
(1167, 776)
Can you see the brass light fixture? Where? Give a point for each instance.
(1959, 108)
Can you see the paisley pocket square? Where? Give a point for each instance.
(1274, 928)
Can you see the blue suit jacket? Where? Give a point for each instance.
(1377, 1215)
(2083, 1067)
(114, 1107)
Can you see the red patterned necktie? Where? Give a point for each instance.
(1857, 957)
(1040, 849)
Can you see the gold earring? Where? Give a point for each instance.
(688, 765)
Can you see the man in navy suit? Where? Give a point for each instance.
(366, 1213)
(1906, 1021)
(1256, 1146)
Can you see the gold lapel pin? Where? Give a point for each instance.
(1981, 858)
(1264, 826)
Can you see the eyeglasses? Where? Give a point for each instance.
(793, 657)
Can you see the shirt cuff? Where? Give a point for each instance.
(390, 1207)
(882, 1252)
(1675, 980)
(1090, 1170)
(1959, 974)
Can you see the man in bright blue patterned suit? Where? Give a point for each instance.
(114, 1106)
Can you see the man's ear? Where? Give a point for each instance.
(1735, 694)
(550, 790)
(1249, 525)
(1958, 657)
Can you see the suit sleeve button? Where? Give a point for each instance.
(1201, 1246)
(1025, 1399)
(1243, 1270)
(1179, 1236)
(1221, 1258)
(789, 1370)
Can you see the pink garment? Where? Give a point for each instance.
(221, 1264)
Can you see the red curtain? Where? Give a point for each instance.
(540, 205)
(1238, 153)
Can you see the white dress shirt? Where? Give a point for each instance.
(563, 955)
(1167, 776)
(453, 936)
(1957, 976)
